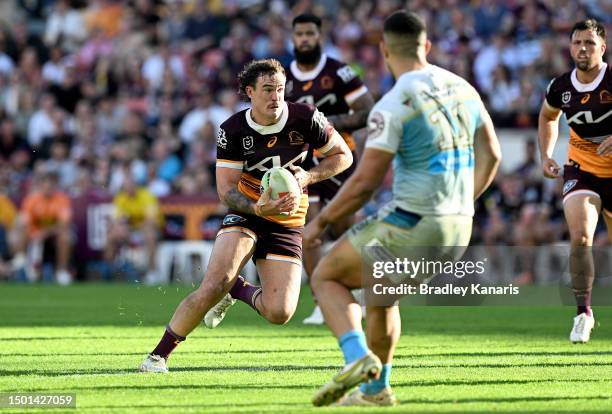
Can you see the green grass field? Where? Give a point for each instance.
(89, 339)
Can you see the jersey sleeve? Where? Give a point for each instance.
(553, 95)
(384, 130)
(228, 154)
(350, 85)
(321, 131)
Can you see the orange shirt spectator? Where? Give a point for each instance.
(42, 211)
(106, 17)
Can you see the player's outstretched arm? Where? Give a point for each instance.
(487, 153)
(227, 188)
(548, 130)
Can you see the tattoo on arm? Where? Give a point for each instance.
(236, 200)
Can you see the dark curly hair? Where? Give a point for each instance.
(254, 69)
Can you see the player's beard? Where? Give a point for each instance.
(309, 57)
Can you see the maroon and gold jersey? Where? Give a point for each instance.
(331, 86)
(245, 145)
(588, 109)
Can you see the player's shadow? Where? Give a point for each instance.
(463, 383)
(506, 354)
(498, 400)
(142, 353)
(175, 387)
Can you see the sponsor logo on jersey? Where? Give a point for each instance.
(221, 139)
(566, 96)
(247, 142)
(275, 161)
(232, 219)
(569, 185)
(295, 138)
(346, 73)
(586, 117)
(376, 125)
(585, 98)
(605, 97)
(272, 142)
(327, 82)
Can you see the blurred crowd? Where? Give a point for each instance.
(100, 89)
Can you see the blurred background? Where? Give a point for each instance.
(111, 108)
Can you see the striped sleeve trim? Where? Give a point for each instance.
(330, 144)
(236, 165)
(356, 94)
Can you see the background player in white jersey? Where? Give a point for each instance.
(337, 91)
(433, 126)
(584, 95)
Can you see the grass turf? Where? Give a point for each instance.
(89, 339)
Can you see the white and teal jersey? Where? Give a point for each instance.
(428, 120)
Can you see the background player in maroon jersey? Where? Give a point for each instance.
(337, 91)
(269, 134)
(585, 96)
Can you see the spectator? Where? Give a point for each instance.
(65, 27)
(136, 222)
(43, 232)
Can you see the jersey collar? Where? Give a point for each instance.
(310, 75)
(588, 87)
(268, 129)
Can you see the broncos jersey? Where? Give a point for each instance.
(588, 109)
(331, 86)
(244, 145)
(428, 120)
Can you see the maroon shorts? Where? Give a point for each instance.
(323, 191)
(576, 181)
(272, 240)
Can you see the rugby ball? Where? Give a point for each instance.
(281, 181)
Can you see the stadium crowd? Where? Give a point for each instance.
(92, 92)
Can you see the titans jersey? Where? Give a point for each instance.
(245, 145)
(588, 109)
(331, 86)
(428, 120)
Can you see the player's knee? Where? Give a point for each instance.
(581, 240)
(279, 316)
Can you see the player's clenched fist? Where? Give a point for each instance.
(550, 168)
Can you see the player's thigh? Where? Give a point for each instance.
(342, 264)
(280, 283)
(230, 253)
(581, 211)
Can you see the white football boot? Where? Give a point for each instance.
(153, 363)
(361, 370)
(216, 314)
(385, 398)
(316, 318)
(581, 331)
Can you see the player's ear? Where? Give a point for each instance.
(249, 91)
(427, 47)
